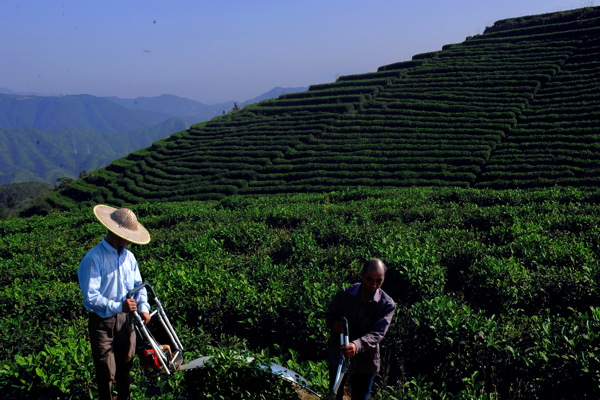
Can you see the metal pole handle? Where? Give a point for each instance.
(342, 364)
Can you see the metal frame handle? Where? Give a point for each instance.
(343, 361)
(164, 320)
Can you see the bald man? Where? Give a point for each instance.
(369, 311)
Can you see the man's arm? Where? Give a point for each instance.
(377, 330)
(90, 277)
(141, 297)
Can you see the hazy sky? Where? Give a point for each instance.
(218, 50)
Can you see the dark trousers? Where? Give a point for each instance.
(113, 348)
(360, 386)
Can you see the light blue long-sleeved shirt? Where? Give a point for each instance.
(105, 277)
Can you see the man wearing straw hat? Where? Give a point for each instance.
(106, 273)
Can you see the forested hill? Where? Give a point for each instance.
(515, 107)
(44, 139)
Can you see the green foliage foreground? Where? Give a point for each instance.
(497, 290)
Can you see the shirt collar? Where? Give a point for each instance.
(355, 291)
(107, 246)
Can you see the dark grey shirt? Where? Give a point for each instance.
(368, 323)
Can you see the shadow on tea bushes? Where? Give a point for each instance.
(229, 375)
(63, 369)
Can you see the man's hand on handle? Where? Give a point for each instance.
(349, 351)
(145, 317)
(130, 305)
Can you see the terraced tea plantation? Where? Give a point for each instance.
(517, 106)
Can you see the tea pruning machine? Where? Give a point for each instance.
(154, 357)
(343, 363)
(166, 359)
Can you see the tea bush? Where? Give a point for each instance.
(496, 290)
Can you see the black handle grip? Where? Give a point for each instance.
(344, 340)
(140, 287)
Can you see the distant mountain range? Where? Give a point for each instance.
(43, 138)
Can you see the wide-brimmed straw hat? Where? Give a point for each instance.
(123, 223)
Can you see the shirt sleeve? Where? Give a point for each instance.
(90, 278)
(377, 330)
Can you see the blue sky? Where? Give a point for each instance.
(219, 50)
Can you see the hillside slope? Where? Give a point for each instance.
(28, 154)
(43, 138)
(17, 196)
(46, 138)
(513, 107)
